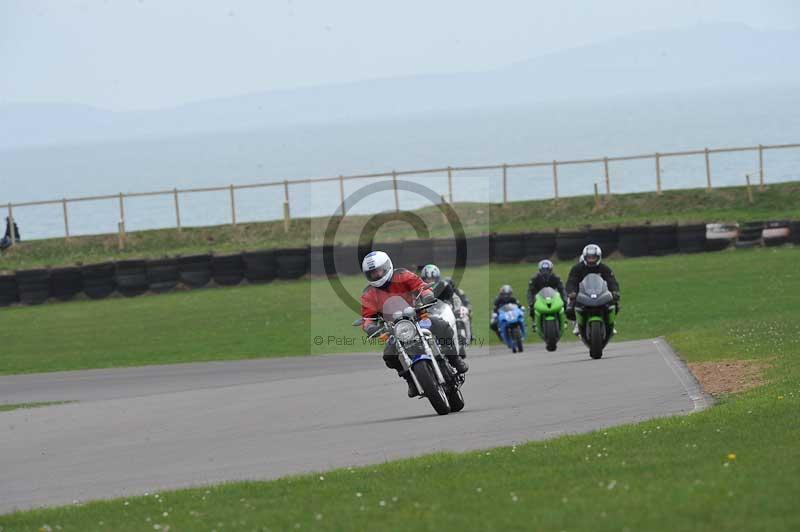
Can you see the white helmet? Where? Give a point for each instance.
(592, 255)
(377, 268)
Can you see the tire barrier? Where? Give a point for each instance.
(65, 283)
(633, 241)
(33, 286)
(346, 260)
(131, 277)
(98, 280)
(478, 250)
(162, 274)
(720, 236)
(570, 244)
(794, 232)
(692, 238)
(260, 266)
(607, 239)
(227, 270)
(195, 270)
(8, 290)
(662, 239)
(317, 259)
(444, 254)
(538, 246)
(506, 249)
(750, 235)
(775, 233)
(416, 254)
(293, 263)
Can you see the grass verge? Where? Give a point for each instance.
(17, 406)
(779, 201)
(733, 467)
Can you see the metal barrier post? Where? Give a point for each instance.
(233, 206)
(708, 171)
(66, 218)
(658, 174)
(555, 181)
(396, 197)
(177, 209)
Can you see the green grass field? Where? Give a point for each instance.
(778, 201)
(731, 468)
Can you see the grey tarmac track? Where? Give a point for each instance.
(161, 427)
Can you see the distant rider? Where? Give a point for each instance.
(505, 297)
(384, 282)
(589, 263)
(545, 277)
(443, 289)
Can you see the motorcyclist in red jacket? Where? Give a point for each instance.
(385, 282)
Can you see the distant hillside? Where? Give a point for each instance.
(701, 57)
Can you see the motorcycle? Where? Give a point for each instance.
(419, 353)
(444, 311)
(511, 325)
(595, 313)
(549, 317)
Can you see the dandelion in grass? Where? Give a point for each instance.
(731, 456)
(382, 503)
(358, 494)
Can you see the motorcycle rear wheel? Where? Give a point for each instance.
(431, 387)
(516, 338)
(596, 331)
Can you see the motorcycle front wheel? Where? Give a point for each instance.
(516, 339)
(551, 334)
(431, 387)
(596, 332)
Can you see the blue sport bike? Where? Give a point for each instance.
(511, 326)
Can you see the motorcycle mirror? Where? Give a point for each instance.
(358, 322)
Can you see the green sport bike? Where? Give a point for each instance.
(549, 317)
(595, 313)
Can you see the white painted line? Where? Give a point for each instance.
(684, 376)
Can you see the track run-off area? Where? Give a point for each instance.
(134, 430)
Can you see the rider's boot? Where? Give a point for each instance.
(412, 388)
(575, 330)
(458, 363)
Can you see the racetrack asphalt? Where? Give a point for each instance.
(133, 430)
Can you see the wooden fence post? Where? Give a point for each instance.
(177, 209)
(396, 197)
(708, 171)
(505, 185)
(608, 178)
(66, 218)
(555, 181)
(121, 224)
(121, 235)
(749, 190)
(761, 168)
(596, 198)
(287, 217)
(450, 184)
(11, 224)
(233, 206)
(658, 173)
(341, 194)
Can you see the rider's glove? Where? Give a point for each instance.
(428, 297)
(616, 296)
(372, 329)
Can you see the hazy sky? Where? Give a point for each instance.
(131, 54)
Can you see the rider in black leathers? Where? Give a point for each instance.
(589, 263)
(543, 278)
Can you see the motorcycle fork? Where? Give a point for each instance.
(405, 361)
(429, 349)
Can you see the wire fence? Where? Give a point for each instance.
(603, 186)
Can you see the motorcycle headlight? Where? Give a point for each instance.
(405, 331)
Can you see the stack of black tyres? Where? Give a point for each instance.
(346, 260)
(478, 250)
(98, 280)
(194, 271)
(507, 248)
(538, 246)
(33, 286)
(794, 232)
(662, 239)
(393, 249)
(260, 266)
(445, 252)
(776, 233)
(692, 238)
(293, 263)
(633, 241)
(162, 274)
(8, 290)
(317, 256)
(607, 239)
(750, 235)
(570, 244)
(416, 254)
(131, 277)
(65, 283)
(227, 270)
